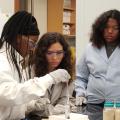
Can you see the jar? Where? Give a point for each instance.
(117, 111)
(109, 111)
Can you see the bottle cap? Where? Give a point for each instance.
(118, 105)
(108, 104)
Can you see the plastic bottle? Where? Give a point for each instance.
(109, 111)
(117, 111)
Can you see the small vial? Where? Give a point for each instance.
(67, 111)
(67, 106)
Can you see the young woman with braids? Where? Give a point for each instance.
(52, 52)
(17, 41)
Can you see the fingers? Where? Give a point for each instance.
(81, 100)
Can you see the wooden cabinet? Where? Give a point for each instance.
(61, 16)
(16, 5)
(20, 5)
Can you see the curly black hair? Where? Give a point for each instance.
(99, 25)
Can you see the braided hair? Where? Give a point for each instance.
(21, 23)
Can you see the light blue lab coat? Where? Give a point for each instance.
(97, 76)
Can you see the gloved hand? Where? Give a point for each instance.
(56, 110)
(80, 100)
(38, 105)
(60, 75)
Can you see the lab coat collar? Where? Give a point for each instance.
(103, 53)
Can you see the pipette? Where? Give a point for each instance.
(67, 106)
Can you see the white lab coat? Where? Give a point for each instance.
(15, 95)
(98, 77)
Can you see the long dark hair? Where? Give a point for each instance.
(41, 63)
(21, 23)
(98, 27)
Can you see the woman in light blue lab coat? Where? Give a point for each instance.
(98, 72)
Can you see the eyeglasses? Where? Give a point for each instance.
(59, 53)
(32, 44)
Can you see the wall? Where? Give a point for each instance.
(86, 13)
(40, 13)
(7, 6)
(6, 9)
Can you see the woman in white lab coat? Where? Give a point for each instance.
(53, 52)
(98, 72)
(18, 39)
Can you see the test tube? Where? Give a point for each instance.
(67, 106)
